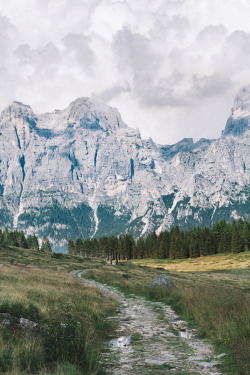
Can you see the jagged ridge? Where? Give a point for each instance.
(82, 172)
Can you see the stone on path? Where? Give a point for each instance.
(161, 280)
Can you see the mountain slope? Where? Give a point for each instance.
(83, 172)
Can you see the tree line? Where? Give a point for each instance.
(18, 239)
(223, 237)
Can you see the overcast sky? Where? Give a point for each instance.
(171, 67)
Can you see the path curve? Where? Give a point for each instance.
(151, 339)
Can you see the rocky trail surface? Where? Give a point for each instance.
(151, 339)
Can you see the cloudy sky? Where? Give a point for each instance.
(171, 67)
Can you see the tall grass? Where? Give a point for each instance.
(71, 319)
(221, 313)
(224, 316)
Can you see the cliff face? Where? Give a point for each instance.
(82, 172)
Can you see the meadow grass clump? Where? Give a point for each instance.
(70, 317)
(224, 315)
(20, 309)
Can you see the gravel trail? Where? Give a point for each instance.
(151, 339)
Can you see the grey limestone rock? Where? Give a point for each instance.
(162, 280)
(55, 163)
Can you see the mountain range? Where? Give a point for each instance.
(82, 172)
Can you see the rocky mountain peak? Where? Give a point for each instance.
(241, 106)
(92, 115)
(19, 119)
(82, 171)
(239, 121)
(15, 110)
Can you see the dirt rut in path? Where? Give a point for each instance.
(151, 339)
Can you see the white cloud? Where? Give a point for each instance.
(172, 67)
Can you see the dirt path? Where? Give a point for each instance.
(151, 339)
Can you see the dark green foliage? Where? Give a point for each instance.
(76, 221)
(32, 242)
(168, 200)
(45, 245)
(221, 238)
(140, 246)
(71, 247)
(64, 340)
(246, 235)
(109, 222)
(78, 246)
(237, 242)
(19, 310)
(18, 239)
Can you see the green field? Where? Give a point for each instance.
(216, 300)
(71, 316)
(212, 294)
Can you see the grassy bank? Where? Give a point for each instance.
(70, 316)
(219, 306)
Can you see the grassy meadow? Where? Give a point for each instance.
(71, 316)
(212, 294)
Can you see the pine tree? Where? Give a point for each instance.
(71, 247)
(173, 251)
(246, 235)
(162, 250)
(22, 241)
(128, 246)
(1, 238)
(13, 239)
(103, 245)
(240, 225)
(6, 236)
(78, 246)
(225, 239)
(46, 247)
(35, 244)
(194, 250)
(163, 244)
(236, 243)
(140, 247)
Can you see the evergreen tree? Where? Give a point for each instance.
(22, 241)
(151, 245)
(236, 243)
(128, 246)
(173, 251)
(225, 239)
(103, 246)
(46, 247)
(13, 239)
(162, 250)
(78, 246)
(35, 243)
(71, 247)
(140, 247)
(163, 245)
(6, 236)
(246, 235)
(240, 225)
(194, 250)
(1, 238)
(193, 244)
